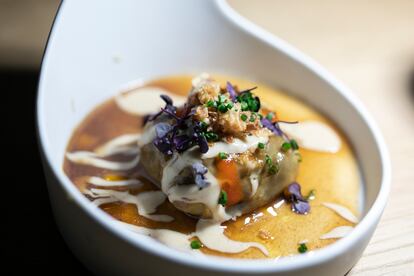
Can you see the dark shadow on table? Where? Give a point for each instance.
(32, 241)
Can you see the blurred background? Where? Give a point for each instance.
(369, 45)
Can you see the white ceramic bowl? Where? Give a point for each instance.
(97, 46)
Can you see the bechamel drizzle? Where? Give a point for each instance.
(337, 232)
(342, 211)
(313, 135)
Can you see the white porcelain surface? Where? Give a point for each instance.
(98, 46)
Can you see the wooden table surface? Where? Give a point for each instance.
(369, 45)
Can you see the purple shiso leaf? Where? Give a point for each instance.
(199, 171)
(167, 99)
(273, 127)
(162, 129)
(294, 190)
(168, 106)
(163, 145)
(231, 91)
(182, 142)
(202, 143)
(163, 142)
(292, 194)
(301, 207)
(167, 139)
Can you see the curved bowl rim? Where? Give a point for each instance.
(212, 263)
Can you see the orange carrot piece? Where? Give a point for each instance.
(229, 179)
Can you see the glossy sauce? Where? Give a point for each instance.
(333, 176)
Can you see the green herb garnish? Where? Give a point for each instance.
(222, 108)
(271, 168)
(243, 117)
(222, 155)
(286, 146)
(270, 116)
(252, 117)
(268, 160)
(210, 136)
(222, 198)
(260, 145)
(195, 244)
(248, 102)
(294, 144)
(302, 248)
(211, 103)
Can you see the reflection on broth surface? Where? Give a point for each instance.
(105, 162)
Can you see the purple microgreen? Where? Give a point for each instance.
(292, 194)
(168, 106)
(273, 127)
(199, 171)
(182, 142)
(162, 129)
(248, 90)
(163, 145)
(202, 143)
(167, 99)
(231, 91)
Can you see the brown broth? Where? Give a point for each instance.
(334, 177)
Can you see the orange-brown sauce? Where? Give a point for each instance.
(334, 177)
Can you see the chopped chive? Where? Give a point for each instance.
(260, 145)
(223, 198)
(229, 105)
(211, 103)
(273, 169)
(222, 155)
(243, 117)
(294, 144)
(252, 117)
(260, 116)
(203, 124)
(268, 160)
(270, 116)
(211, 136)
(244, 106)
(195, 244)
(286, 146)
(302, 248)
(222, 108)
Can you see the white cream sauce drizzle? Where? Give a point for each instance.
(236, 146)
(337, 232)
(313, 135)
(146, 202)
(125, 144)
(342, 211)
(254, 181)
(118, 143)
(170, 238)
(145, 100)
(90, 158)
(98, 181)
(211, 234)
